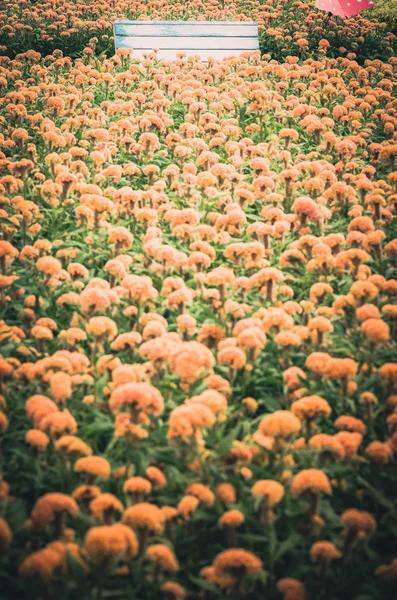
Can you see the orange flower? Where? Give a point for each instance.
(138, 486)
(226, 493)
(157, 477)
(231, 518)
(312, 480)
(202, 492)
(44, 563)
(293, 589)
(376, 330)
(311, 407)
(272, 491)
(163, 557)
(238, 562)
(93, 466)
(173, 591)
(317, 362)
(145, 516)
(138, 397)
(348, 423)
(187, 506)
(350, 442)
(104, 506)
(381, 453)
(190, 361)
(72, 446)
(327, 445)
(49, 506)
(359, 522)
(5, 535)
(340, 368)
(37, 439)
(324, 551)
(110, 541)
(281, 424)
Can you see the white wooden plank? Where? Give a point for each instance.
(185, 28)
(190, 44)
(247, 22)
(202, 54)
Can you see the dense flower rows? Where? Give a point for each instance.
(285, 26)
(198, 365)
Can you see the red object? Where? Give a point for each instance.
(344, 8)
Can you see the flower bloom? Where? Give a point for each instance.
(145, 516)
(324, 551)
(237, 561)
(163, 557)
(110, 541)
(280, 424)
(312, 480)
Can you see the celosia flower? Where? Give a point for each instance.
(110, 541)
(163, 557)
(237, 562)
(5, 535)
(145, 516)
(93, 466)
(314, 482)
(104, 506)
(282, 424)
(358, 524)
(51, 509)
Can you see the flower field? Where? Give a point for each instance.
(198, 282)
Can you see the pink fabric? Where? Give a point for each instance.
(344, 8)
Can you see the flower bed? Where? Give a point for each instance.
(285, 27)
(198, 319)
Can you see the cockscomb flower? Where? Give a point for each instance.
(310, 408)
(358, 524)
(110, 542)
(323, 553)
(5, 535)
(226, 493)
(173, 591)
(380, 452)
(327, 445)
(104, 506)
(348, 423)
(145, 516)
(157, 477)
(376, 331)
(92, 467)
(51, 509)
(72, 446)
(237, 562)
(293, 589)
(163, 557)
(137, 397)
(202, 492)
(281, 425)
(312, 480)
(231, 519)
(44, 563)
(138, 487)
(37, 439)
(271, 492)
(351, 441)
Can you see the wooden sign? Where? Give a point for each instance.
(217, 39)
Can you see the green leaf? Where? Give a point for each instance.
(287, 545)
(206, 585)
(227, 441)
(377, 494)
